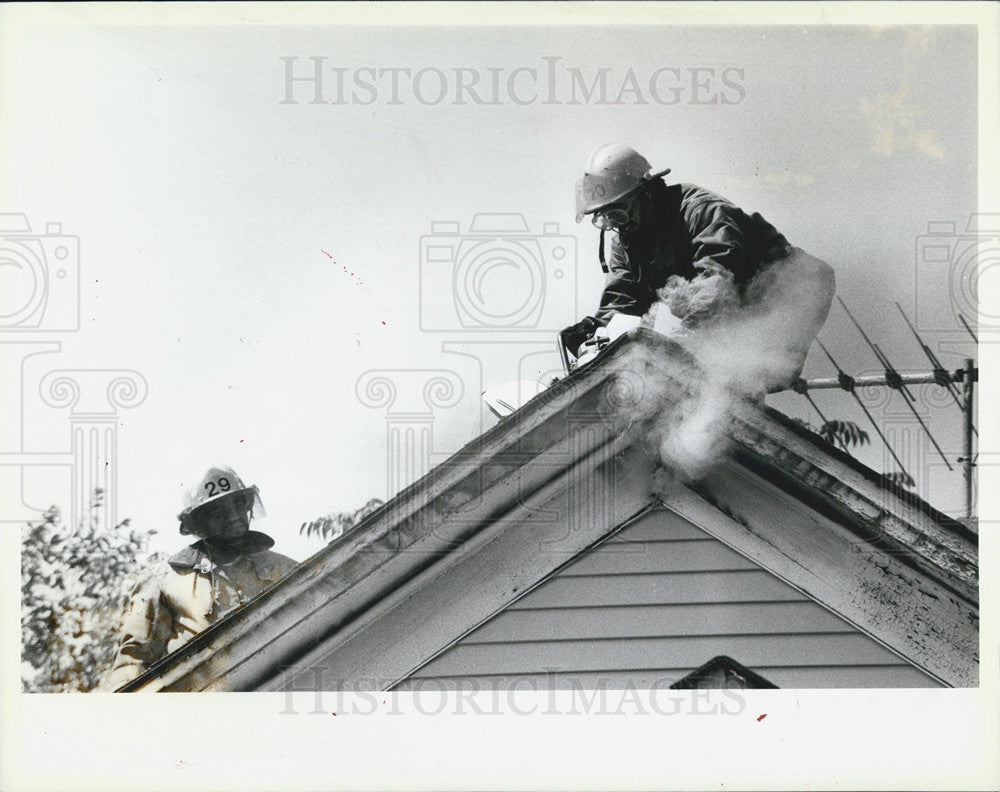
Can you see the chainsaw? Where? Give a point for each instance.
(593, 346)
(510, 396)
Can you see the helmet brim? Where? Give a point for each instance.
(616, 198)
(251, 494)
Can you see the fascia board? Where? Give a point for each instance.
(941, 549)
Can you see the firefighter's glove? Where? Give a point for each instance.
(574, 335)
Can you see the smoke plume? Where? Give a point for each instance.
(744, 346)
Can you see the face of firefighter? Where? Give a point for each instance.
(223, 521)
(621, 217)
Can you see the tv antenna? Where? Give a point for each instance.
(966, 376)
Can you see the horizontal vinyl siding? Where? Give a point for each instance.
(858, 676)
(854, 676)
(686, 651)
(653, 603)
(653, 621)
(644, 558)
(743, 586)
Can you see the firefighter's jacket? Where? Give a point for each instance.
(185, 594)
(689, 232)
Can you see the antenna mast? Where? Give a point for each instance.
(968, 376)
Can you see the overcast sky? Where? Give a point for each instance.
(252, 257)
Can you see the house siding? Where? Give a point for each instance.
(655, 601)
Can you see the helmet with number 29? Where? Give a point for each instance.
(221, 485)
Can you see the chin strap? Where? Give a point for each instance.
(600, 254)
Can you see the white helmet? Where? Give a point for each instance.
(219, 482)
(612, 172)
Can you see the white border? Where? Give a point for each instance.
(847, 739)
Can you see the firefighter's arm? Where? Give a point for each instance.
(719, 258)
(719, 244)
(625, 291)
(144, 633)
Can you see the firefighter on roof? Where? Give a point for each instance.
(686, 248)
(225, 568)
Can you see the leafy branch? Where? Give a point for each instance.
(900, 479)
(332, 525)
(848, 434)
(74, 585)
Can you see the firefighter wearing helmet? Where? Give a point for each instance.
(682, 246)
(227, 567)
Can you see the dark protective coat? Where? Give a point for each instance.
(688, 232)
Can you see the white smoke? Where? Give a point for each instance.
(744, 347)
(694, 434)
